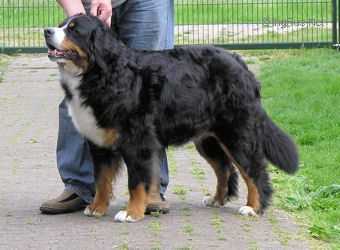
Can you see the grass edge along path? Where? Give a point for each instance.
(4, 60)
(301, 92)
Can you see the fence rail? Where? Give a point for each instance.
(239, 24)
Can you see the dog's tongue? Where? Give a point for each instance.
(55, 52)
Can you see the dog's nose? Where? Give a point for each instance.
(48, 32)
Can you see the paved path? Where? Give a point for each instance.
(29, 96)
(240, 33)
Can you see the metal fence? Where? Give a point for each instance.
(236, 24)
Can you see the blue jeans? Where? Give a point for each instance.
(141, 24)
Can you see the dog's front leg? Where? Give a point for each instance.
(143, 164)
(107, 167)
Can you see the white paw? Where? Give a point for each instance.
(87, 211)
(247, 211)
(209, 201)
(122, 216)
(94, 213)
(97, 214)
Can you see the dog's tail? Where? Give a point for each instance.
(279, 147)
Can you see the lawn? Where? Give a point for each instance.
(301, 91)
(21, 21)
(34, 13)
(30, 13)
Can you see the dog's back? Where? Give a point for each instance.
(191, 88)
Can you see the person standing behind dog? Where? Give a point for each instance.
(141, 24)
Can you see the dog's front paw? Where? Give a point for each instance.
(247, 211)
(123, 216)
(209, 201)
(95, 211)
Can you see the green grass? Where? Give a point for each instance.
(196, 170)
(180, 191)
(155, 227)
(21, 21)
(172, 161)
(33, 13)
(186, 211)
(30, 13)
(217, 223)
(188, 229)
(301, 92)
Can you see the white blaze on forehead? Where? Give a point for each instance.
(59, 35)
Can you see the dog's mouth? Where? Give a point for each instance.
(54, 54)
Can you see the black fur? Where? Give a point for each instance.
(279, 148)
(161, 98)
(67, 91)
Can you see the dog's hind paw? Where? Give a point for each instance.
(247, 211)
(209, 201)
(122, 216)
(95, 213)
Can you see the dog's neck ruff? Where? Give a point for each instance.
(82, 115)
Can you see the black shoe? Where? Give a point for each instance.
(158, 207)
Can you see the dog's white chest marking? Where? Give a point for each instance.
(82, 116)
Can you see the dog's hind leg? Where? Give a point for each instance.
(249, 158)
(227, 178)
(143, 165)
(107, 165)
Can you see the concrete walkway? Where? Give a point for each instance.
(29, 97)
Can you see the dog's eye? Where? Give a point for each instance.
(71, 25)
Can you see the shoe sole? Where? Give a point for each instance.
(54, 211)
(156, 209)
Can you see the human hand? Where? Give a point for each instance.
(102, 9)
(72, 7)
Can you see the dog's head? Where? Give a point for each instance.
(73, 44)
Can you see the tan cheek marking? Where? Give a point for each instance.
(67, 44)
(110, 136)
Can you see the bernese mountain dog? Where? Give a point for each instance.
(133, 103)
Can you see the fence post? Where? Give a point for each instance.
(338, 28)
(334, 23)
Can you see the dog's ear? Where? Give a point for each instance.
(114, 27)
(104, 46)
(99, 45)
